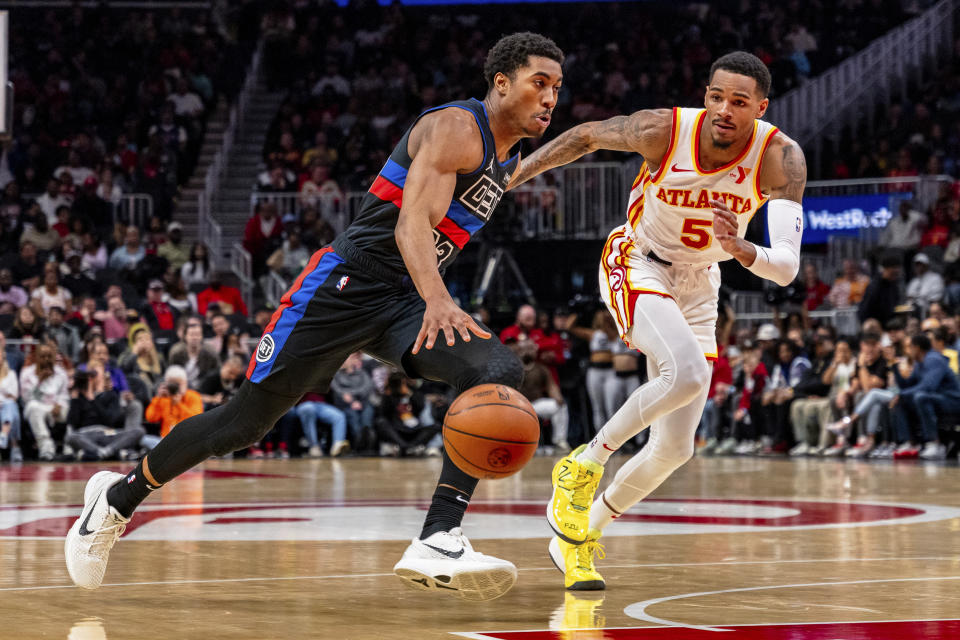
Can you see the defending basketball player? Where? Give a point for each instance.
(705, 174)
(378, 288)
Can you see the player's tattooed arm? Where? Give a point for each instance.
(644, 132)
(784, 170)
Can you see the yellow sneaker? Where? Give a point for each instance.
(574, 484)
(576, 562)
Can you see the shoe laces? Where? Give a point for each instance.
(105, 537)
(582, 489)
(587, 551)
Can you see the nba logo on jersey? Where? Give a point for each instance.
(799, 224)
(265, 348)
(343, 282)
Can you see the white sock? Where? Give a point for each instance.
(602, 514)
(598, 451)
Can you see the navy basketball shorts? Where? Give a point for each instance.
(334, 308)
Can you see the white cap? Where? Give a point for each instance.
(768, 332)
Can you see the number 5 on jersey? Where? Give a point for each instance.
(695, 234)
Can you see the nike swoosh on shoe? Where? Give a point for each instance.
(455, 555)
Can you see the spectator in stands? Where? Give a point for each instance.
(109, 191)
(926, 286)
(51, 294)
(186, 104)
(277, 180)
(196, 270)
(750, 382)
(227, 298)
(101, 423)
(263, 234)
(320, 190)
(217, 343)
(816, 289)
(95, 211)
(849, 288)
(159, 315)
(26, 267)
(192, 355)
(176, 294)
(26, 325)
(217, 387)
(9, 408)
(173, 249)
(352, 390)
(927, 388)
(174, 402)
(540, 389)
(115, 319)
(51, 200)
(290, 259)
(141, 361)
(811, 405)
(883, 294)
(399, 424)
(97, 353)
(940, 339)
(74, 168)
(903, 231)
(44, 391)
(172, 137)
(10, 292)
(778, 395)
(66, 336)
(94, 256)
(313, 407)
(41, 235)
(127, 256)
(77, 281)
(873, 401)
(525, 327)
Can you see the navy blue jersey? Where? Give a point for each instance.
(474, 199)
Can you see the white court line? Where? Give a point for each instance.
(481, 635)
(347, 576)
(638, 610)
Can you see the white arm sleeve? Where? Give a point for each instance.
(781, 261)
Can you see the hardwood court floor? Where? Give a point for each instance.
(773, 549)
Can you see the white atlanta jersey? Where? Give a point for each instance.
(672, 210)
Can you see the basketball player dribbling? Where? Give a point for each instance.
(379, 289)
(706, 172)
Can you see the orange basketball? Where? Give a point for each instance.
(491, 431)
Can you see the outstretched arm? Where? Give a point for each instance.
(441, 144)
(645, 132)
(784, 176)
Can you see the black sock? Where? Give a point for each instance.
(128, 493)
(450, 499)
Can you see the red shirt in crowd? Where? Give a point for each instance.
(816, 295)
(721, 371)
(164, 315)
(254, 238)
(228, 298)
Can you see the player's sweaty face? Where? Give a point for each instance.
(732, 103)
(533, 95)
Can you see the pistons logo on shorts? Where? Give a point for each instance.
(265, 348)
(617, 276)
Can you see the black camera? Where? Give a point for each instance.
(173, 388)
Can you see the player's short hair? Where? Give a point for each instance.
(513, 51)
(745, 64)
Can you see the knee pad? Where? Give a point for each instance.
(498, 365)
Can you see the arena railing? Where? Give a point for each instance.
(851, 91)
(241, 264)
(133, 208)
(211, 233)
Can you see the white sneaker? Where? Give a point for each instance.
(433, 452)
(446, 562)
(315, 452)
(801, 449)
(91, 537)
(726, 447)
(339, 448)
(933, 451)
